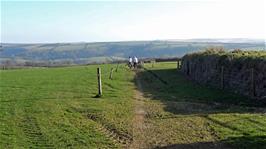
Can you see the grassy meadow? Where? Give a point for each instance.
(200, 117)
(57, 108)
(49, 107)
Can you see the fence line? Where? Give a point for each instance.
(244, 81)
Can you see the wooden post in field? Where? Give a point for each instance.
(222, 77)
(252, 83)
(111, 74)
(190, 68)
(141, 64)
(99, 82)
(116, 67)
(153, 62)
(178, 64)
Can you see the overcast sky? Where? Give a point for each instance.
(89, 21)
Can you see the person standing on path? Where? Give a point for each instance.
(135, 60)
(130, 62)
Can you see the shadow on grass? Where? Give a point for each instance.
(180, 96)
(251, 142)
(198, 98)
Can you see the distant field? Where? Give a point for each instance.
(56, 108)
(103, 52)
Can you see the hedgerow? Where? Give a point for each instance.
(224, 57)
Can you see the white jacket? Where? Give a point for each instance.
(135, 60)
(130, 60)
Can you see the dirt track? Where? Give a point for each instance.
(139, 139)
(147, 134)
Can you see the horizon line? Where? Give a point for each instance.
(113, 41)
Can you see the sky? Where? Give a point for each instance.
(91, 21)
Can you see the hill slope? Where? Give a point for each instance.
(82, 53)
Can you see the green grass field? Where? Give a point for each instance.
(50, 107)
(57, 108)
(202, 114)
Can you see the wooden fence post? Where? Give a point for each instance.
(116, 67)
(188, 68)
(99, 82)
(177, 64)
(222, 77)
(142, 64)
(252, 83)
(111, 74)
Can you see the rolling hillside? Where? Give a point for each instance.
(99, 52)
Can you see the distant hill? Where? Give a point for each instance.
(99, 52)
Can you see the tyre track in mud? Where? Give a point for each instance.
(122, 139)
(34, 134)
